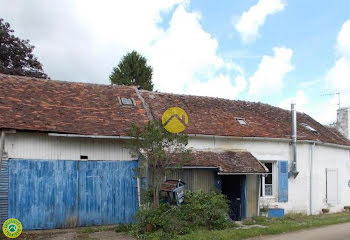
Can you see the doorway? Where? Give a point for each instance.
(233, 186)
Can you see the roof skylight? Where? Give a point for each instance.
(308, 127)
(241, 121)
(126, 102)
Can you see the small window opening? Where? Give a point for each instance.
(241, 121)
(127, 101)
(268, 183)
(84, 157)
(308, 127)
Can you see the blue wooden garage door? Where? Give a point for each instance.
(47, 194)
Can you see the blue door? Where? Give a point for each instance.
(108, 192)
(45, 194)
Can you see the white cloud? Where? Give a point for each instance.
(337, 78)
(219, 86)
(186, 60)
(338, 75)
(328, 114)
(269, 77)
(301, 101)
(250, 21)
(184, 53)
(343, 40)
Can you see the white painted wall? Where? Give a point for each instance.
(328, 157)
(298, 188)
(41, 146)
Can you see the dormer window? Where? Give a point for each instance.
(242, 121)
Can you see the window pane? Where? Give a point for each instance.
(126, 101)
(268, 190)
(268, 179)
(242, 122)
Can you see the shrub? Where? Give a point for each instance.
(151, 219)
(206, 209)
(199, 210)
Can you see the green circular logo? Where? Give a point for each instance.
(12, 228)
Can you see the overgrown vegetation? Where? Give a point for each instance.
(289, 223)
(199, 210)
(181, 223)
(160, 152)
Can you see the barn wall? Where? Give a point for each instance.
(195, 179)
(29, 145)
(100, 190)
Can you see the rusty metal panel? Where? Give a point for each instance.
(4, 187)
(195, 179)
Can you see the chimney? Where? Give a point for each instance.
(343, 121)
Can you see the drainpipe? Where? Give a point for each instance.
(294, 171)
(311, 172)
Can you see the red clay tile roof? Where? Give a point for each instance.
(226, 161)
(67, 107)
(215, 116)
(91, 109)
(336, 132)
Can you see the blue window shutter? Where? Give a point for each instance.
(283, 181)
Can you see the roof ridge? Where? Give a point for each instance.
(217, 98)
(23, 78)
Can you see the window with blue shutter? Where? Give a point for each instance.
(283, 181)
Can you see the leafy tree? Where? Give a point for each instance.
(133, 70)
(16, 57)
(160, 150)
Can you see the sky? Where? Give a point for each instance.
(270, 51)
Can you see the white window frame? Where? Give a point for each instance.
(274, 180)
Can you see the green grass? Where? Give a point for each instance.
(289, 223)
